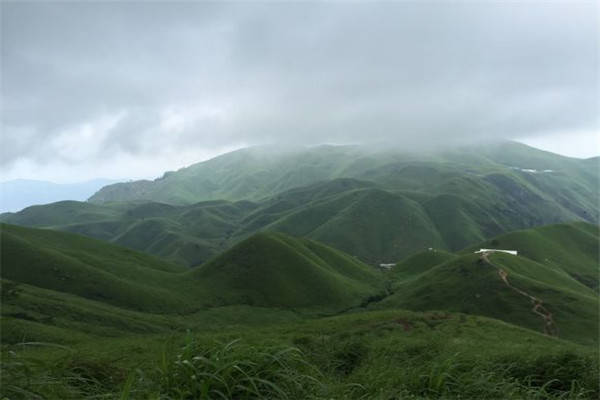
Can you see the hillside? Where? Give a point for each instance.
(115, 276)
(187, 235)
(259, 172)
(379, 205)
(61, 289)
(572, 248)
(474, 284)
(88, 268)
(272, 269)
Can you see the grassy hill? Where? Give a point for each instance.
(379, 205)
(420, 262)
(250, 313)
(549, 267)
(89, 268)
(556, 265)
(272, 269)
(571, 248)
(297, 273)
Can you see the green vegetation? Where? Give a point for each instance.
(298, 273)
(89, 268)
(377, 205)
(110, 293)
(375, 355)
(554, 264)
(281, 304)
(571, 249)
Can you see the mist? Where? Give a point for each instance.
(130, 90)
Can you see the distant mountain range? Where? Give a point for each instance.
(17, 194)
(377, 205)
(259, 172)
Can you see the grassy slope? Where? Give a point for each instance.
(572, 248)
(117, 276)
(89, 268)
(420, 262)
(373, 224)
(388, 353)
(469, 284)
(271, 269)
(375, 355)
(187, 235)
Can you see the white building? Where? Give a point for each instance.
(513, 252)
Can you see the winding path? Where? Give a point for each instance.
(550, 328)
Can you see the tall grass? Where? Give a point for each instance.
(23, 375)
(235, 370)
(320, 368)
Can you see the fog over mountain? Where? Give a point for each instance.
(131, 90)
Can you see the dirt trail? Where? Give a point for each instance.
(538, 305)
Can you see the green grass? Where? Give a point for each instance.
(572, 248)
(249, 323)
(470, 286)
(419, 263)
(298, 273)
(89, 268)
(375, 355)
(556, 264)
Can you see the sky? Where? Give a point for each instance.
(130, 90)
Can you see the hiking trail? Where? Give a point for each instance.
(550, 327)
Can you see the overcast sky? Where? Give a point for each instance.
(128, 90)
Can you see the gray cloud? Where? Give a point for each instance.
(92, 82)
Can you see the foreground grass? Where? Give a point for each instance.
(376, 355)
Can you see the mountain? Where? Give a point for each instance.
(89, 268)
(392, 205)
(17, 194)
(254, 306)
(558, 265)
(259, 172)
(273, 269)
(117, 276)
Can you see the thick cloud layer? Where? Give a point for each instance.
(128, 87)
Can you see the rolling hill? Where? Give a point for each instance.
(89, 268)
(73, 306)
(273, 269)
(97, 272)
(555, 265)
(378, 205)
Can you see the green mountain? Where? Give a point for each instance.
(298, 273)
(556, 265)
(72, 307)
(279, 240)
(570, 248)
(259, 172)
(273, 269)
(378, 205)
(89, 268)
